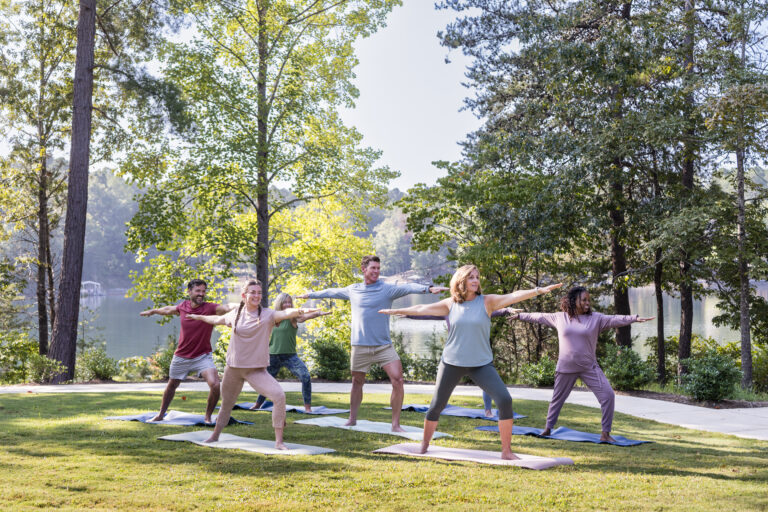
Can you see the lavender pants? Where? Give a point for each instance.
(597, 383)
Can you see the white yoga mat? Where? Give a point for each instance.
(232, 442)
(481, 456)
(376, 427)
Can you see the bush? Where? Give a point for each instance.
(94, 363)
(538, 374)
(699, 347)
(16, 348)
(710, 377)
(624, 368)
(41, 369)
(760, 369)
(135, 368)
(425, 368)
(406, 360)
(329, 358)
(161, 360)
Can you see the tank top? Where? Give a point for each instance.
(469, 339)
(283, 339)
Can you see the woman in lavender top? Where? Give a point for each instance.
(468, 348)
(577, 331)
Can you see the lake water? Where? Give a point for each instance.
(116, 320)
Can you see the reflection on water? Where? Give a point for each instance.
(116, 320)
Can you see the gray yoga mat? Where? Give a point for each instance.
(480, 456)
(267, 406)
(566, 434)
(176, 418)
(375, 427)
(232, 442)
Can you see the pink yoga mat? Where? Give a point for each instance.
(481, 456)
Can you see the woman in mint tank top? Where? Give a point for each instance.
(282, 350)
(468, 348)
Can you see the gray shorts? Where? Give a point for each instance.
(181, 366)
(363, 356)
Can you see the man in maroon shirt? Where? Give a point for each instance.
(194, 351)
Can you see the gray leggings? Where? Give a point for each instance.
(448, 376)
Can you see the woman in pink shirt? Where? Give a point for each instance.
(577, 331)
(248, 356)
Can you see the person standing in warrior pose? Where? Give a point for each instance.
(282, 350)
(577, 331)
(248, 356)
(193, 353)
(468, 348)
(370, 332)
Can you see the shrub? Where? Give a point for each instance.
(760, 368)
(42, 369)
(406, 360)
(699, 347)
(624, 368)
(538, 374)
(94, 363)
(16, 348)
(329, 358)
(710, 377)
(135, 368)
(161, 360)
(424, 368)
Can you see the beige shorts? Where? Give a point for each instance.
(364, 356)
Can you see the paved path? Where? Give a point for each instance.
(748, 422)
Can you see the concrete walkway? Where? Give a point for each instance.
(749, 423)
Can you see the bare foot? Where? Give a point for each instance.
(159, 417)
(211, 439)
(546, 432)
(509, 456)
(606, 437)
(398, 428)
(280, 445)
(254, 408)
(350, 422)
(307, 408)
(208, 421)
(488, 413)
(424, 448)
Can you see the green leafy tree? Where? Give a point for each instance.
(262, 82)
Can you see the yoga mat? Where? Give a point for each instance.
(267, 406)
(176, 418)
(232, 442)
(455, 410)
(375, 427)
(566, 434)
(481, 456)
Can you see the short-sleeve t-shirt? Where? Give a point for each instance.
(249, 345)
(195, 336)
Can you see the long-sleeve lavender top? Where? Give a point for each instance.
(578, 335)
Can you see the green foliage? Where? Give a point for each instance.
(760, 368)
(540, 374)
(625, 370)
(377, 373)
(41, 369)
(222, 344)
(699, 347)
(712, 377)
(93, 363)
(424, 368)
(329, 359)
(134, 369)
(161, 360)
(16, 349)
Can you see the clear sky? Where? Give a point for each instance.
(410, 99)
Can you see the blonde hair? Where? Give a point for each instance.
(277, 305)
(459, 283)
(243, 289)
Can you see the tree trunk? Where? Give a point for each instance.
(744, 320)
(619, 266)
(262, 197)
(64, 345)
(661, 354)
(43, 239)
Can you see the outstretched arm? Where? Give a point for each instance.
(441, 308)
(165, 310)
(613, 321)
(289, 313)
(494, 302)
(209, 319)
(310, 316)
(510, 312)
(329, 293)
(226, 308)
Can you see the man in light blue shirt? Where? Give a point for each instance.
(370, 332)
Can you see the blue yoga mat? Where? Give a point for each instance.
(267, 406)
(454, 410)
(176, 418)
(565, 434)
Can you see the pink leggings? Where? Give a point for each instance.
(597, 383)
(261, 382)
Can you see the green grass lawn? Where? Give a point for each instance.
(57, 451)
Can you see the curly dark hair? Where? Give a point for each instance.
(568, 302)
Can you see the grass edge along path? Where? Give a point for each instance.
(57, 451)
